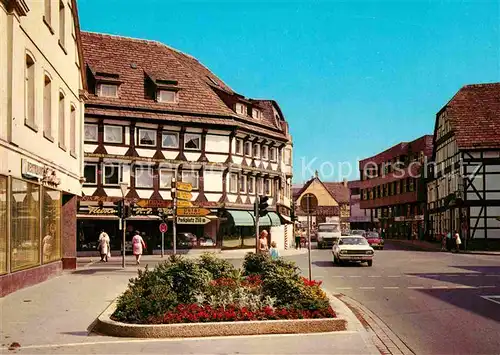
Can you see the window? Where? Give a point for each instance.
(72, 130)
(241, 109)
(62, 122)
(248, 149)
(144, 177)
(147, 137)
(47, 11)
(269, 187)
(191, 177)
(256, 151)
(251, 185)
(288, 157)
(243, 183)
(170, 140)
(274, 154)
(113, 134)
(29, 92)
(25, 225)
(166, 177)
(166, 96)
(108, 90)
(47, 107)
(265, 152)
(90, 132)
(62, 24)
(239, 147)
(90, 174)
(260, 186)
(233, 183)
(51, 225)
(3, 224)
(256, 113)
(112, 174)
(192, 141)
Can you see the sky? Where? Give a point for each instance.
(352, 78)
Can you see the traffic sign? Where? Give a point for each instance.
(192, 220)
(182, 203)
(183, 195)
(193, 211)
(184, 186)
(153, 203)
(163, 227)
(309, 203)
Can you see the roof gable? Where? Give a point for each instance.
(322, 193)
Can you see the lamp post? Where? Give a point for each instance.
(124, 189)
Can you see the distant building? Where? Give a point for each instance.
(464, 194)
(393, 188)
(41, 156)
(359, 218)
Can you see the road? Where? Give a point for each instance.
(436, 303)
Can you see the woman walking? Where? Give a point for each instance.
(263, 248)
(104, 248)
(137, 246)
(458, 241)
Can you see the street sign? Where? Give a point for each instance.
(309, 203)
(184, 186)
(193, 211)
(192, 220)
(183, 195)
(154, 203)
(163, 227)
(181, 203)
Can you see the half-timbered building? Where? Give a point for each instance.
(155, 113)
(464, 192)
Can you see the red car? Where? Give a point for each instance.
(374, 240)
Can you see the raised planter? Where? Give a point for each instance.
(105, 325)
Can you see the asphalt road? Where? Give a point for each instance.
(436, 303)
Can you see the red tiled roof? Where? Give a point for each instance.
(134, 61)
(423, 143)
(475, 116)
(354, 184)
(339, 191)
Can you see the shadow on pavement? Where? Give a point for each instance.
(492, 270)
(81, 333)
(92, 271)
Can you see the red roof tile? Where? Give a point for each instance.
(475, 116)
(339, 191)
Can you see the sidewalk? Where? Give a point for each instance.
(53, 317)
(423, 245)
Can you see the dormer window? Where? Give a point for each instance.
(108, 90)
(256, 113)
(167, 96)
(241, 109)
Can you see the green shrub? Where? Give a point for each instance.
(255, 263)
(218, 268)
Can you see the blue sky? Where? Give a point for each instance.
(352, 78)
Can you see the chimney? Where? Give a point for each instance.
(344, 182)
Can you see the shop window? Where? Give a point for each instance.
(144, 177)
(233, 183)
(147, 137)
(25, 227)
(170, 140)
(191, 177)
(166, 177)
(192, 141)
(113, 134)
(112, 174)
(3, 225)
(51, 224)
(243, 183)
(90, 132)
(90, 174)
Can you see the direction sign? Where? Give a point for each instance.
(192, 220)
(184, 186)
(193, 211)
(163, 227)
(154, 203)
(183, 195)
(182, 203)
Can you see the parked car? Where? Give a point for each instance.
(352, 249)
(374, 240)
(358, 232)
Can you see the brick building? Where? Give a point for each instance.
(393, 188)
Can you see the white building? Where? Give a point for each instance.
(41, 120)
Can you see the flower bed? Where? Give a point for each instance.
(209, 289)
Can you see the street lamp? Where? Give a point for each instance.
(124, 189)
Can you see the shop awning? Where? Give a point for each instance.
(274, 218)
(242, 218)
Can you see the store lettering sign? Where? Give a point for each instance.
(46, 175)
(101, 210)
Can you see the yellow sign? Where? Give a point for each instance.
(193, 211)
(184, 186)
(192, 220)
(182, 203)
(183, 195)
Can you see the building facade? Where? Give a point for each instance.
(393, 188)
(154, 114)
(41, 120)
(359, 218)
(464, 192)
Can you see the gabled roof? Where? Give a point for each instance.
(337, 190)
(474, 114)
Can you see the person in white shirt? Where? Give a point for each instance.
(104, 248)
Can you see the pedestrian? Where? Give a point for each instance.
(263, 248)
(138, 245)
(458, 241)
(273, 251)
(448, 240)
(103, 245)
(443, 242)
(297, 238)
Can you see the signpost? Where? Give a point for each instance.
(163, 230)
(184, 186)
(192, 220)
(183, 195)
(192, 211)
(153, 203)
(309, 204)
(182, 203)
(180, 190)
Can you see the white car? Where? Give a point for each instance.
(352, 248)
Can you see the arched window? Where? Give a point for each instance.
(29, 91)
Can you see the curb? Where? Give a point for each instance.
(105, 325)
(386, 341)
